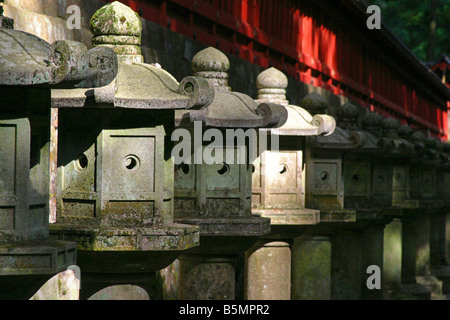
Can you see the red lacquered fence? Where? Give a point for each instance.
(316, 42)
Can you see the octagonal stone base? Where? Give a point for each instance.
(122, 250)
(116, 256)
(289, 216)
(221, 240)
(159, 238)
(252, 226)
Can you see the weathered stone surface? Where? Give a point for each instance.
(27, 257)
(314, 103)
(6, 23)
(170, 279)
(26, 60)
(311, 268)
(278, 190)
(167, 93)
(230, 206)
(116, 19)
(228, 109)
(272, 86)
(217, 196)
(116, 26)
(268, 270)
(115, 174)
(206, 278)
(31, 66)
(393, 255)
(345, 267)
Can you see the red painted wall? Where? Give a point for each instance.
(311, 41)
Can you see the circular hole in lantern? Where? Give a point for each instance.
(355, 178)
(82, 162)
(131, 162)
(323, 175)
(188, 87)
(223, 168)
(282, 169)
(183, 168)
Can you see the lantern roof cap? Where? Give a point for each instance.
(405, 131)
(390, 123)
(229, 108)
(347, 116)
(131, 83)
(117, 26)
(314, 103)
(271, 78)
(418, 136)
(116, 19)
(26, 59)
(210, 59)
(272, 83)
(371, 120)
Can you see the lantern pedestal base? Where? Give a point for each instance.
(268, 262)
(116, 256)
(268, 271)
(221, 241)
(418, 291)
(339, 251)
(433, 284)
(207, 277)
(443, 274)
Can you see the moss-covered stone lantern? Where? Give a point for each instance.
(215, 192)
(115, 170)
(324, 191)
(278, 192)
(28, 258)
(339, 172)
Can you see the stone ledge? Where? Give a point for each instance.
(289, 216)
(254, 226)
(337, 216)
(170, 237)
(370, 214)
(36, 257)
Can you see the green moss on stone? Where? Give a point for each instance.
(116, 19)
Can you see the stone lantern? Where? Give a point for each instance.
(320, 248)
(279, 192)
(357, 162)
(446, 191)
(115, 171)
(398, 159)
(349, 154)
(367, 189)
(215, 192)
(324, 173)
(28, 258)
(415, 222)
(382, 160)
(446, 183)
(438, 226)
(425, 170)
(403, 150)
